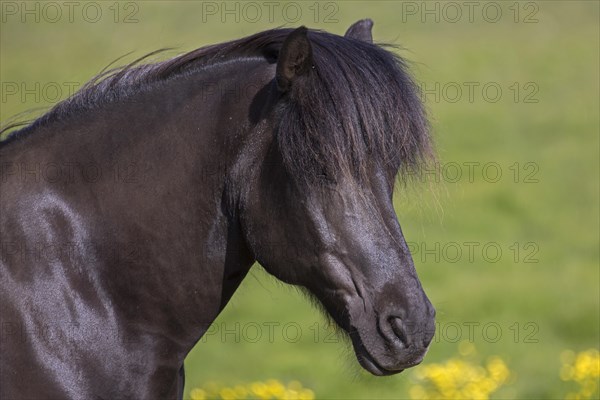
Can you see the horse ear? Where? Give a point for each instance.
(295, 58)
(361, 30)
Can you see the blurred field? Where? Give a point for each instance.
(537, 298)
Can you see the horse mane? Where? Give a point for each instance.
(357, 105)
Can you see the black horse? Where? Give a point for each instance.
(131, 212)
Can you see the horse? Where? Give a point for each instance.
(131, 211)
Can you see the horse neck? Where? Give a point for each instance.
(159, 203)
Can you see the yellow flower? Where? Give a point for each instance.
(306, 394)
(584, 369)
(460, 378)
(240, 392)
(417, 392)
(198, 394)
(271, 389)
(275, 388)
(227, 394)
(259, 389)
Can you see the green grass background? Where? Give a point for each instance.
(558, 295)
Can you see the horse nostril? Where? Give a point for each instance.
(399, 330)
